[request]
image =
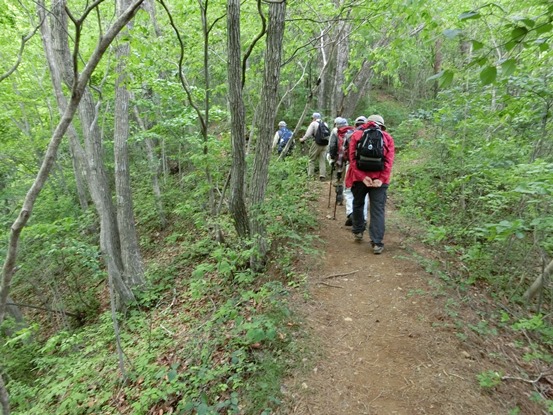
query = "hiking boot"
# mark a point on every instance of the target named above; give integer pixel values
(349, 222)
(377, 249)
(357, 237)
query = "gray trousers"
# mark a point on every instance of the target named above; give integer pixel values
(377, 210)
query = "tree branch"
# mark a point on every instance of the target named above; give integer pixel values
(24, 40)
(183, 81)
(257, 38)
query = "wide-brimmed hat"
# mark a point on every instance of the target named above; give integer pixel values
(282, 124)
(377, 119)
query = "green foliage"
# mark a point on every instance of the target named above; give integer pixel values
(489, 379)
(208, 335)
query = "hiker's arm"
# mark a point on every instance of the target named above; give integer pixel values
(310, 132)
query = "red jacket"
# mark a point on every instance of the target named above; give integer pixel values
(356, 175)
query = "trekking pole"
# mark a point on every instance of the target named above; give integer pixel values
(330, 185)
(339, 197)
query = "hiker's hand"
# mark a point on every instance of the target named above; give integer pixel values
(302, 139)
(377, 183)
(367, 181)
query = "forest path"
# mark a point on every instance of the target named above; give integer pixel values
(383, 342)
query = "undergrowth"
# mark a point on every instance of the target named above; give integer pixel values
(207, 335)
(485, 209)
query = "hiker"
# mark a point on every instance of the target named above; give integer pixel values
(282, 136)
(371, 154)
(348, 196)
(318, 131)
(335, 155)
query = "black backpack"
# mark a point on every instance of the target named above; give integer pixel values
(322, 134)
(369, 153)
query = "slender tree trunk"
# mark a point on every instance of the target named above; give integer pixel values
(437, 64)
(269, 102)
(98, 181)
(77, 89)
(154, 164)
(4, 397)
(78, 157)
(130, 250)
(237, 119)
(342, 58)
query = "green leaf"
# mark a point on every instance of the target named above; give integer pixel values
(526, 20)
(444, 77)
(447, 79)
(508, 67)
(518, 33)
(171, 375)
(476, 45)
(452, 33)
(488, 75)
(469, 15)
(510, 45)
(544, 28)
(437, 76)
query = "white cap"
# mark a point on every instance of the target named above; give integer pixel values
(340, 122)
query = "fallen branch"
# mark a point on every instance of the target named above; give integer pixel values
(329, 285)
(340, 275)
(527, 380)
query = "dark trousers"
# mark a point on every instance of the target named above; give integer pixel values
(377, 210)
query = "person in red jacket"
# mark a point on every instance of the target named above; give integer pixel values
(373, 183)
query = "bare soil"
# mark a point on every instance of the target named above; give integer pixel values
(383, 342)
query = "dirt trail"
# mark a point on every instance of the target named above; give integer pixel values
(383, 345)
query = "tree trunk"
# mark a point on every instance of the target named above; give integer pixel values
(78, 87)
(538, 283)
(267, 113)
(437, 64)
(4, 397)
(237, 120)
(98, 182)
(130, 250)
(155, 168)
(78, 157)
(342, 58)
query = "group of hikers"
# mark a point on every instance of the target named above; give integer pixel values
(362, 155)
